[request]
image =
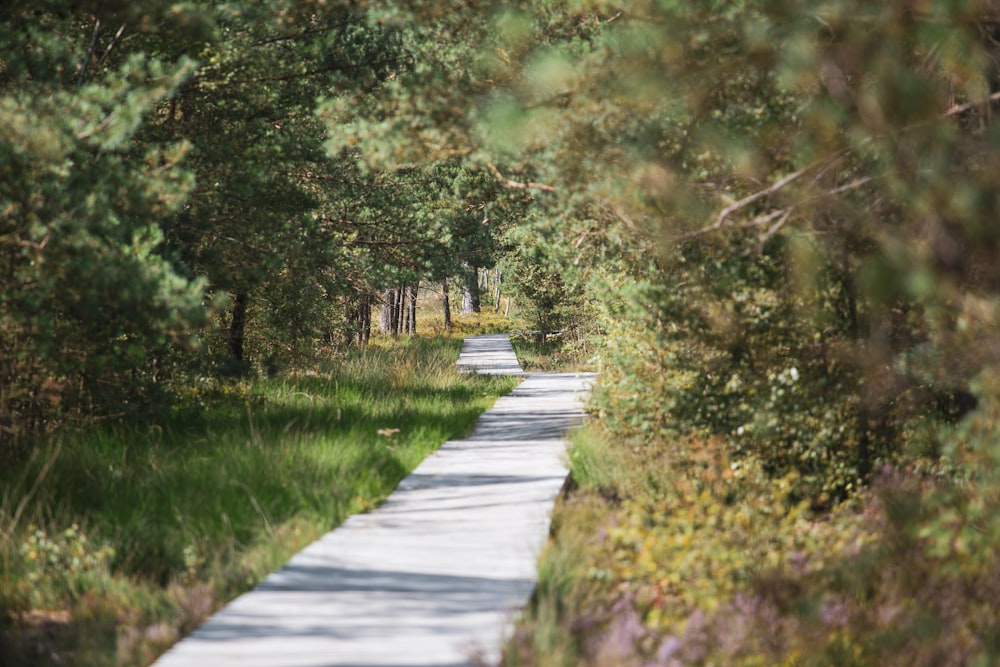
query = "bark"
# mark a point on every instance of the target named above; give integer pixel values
(470, 294)
(397, 311)
(359, 321)
(851, 295)
(388, 306)
(237, 327)
(496, 291)
(365, 320)
(446, 305)
(411, 312)
(404, 310)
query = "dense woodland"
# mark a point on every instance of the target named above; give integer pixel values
(773, 225)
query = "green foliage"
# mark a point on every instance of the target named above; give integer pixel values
(546, 295)
(732, 350)
(273, 221)
(89, 305)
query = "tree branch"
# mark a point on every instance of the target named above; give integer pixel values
(322, 70)
(750, 199)
(81, 75)
(529, 185)
(114, 42)
(307, 33)
(782, 214)
(773, 229)
(959, 109)
(853, 185)
(104, 124)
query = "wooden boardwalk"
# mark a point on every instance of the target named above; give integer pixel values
(433, 575)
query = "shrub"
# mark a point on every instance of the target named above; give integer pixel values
(906, 573)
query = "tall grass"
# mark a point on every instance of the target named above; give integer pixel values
(169, 520)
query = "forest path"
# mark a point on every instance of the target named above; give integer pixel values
(432, 576)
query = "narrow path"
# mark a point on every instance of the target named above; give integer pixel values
(434, 574)
(491, 355)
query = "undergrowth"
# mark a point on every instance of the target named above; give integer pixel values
(116, 541)
(671, 552)
(570, 351)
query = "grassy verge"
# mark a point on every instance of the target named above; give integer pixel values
(115, 542)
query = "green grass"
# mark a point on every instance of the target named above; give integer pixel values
(174, 518)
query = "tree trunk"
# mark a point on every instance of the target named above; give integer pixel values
(446, 305)
(411, 313)
(404, 310)
(238, 325)
(365, 332)
(467, 300)
(470, 294)
(496, 291)
(851, 294)
(350, 325)
(388, 307)
(359, 321)
(397, 311)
